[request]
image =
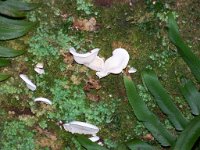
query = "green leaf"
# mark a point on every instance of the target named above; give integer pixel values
(19, 5)
(192, 60)
(4, 62)
(137, 145)
(3, 76)
(192, 96)
(122, 146)
(189, 136)
(144, 115)
(9, 52)
(10, 11)
(10, 29)
(164, 101)
(89, 145)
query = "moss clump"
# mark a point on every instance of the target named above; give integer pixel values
(16, 136)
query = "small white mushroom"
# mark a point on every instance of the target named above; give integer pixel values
(100, 143)
(39, 71)
(39, 65)
(132, 70)
(28, 82)
(86, 58)
(39, 68)
(81, 128)
(97, 64)
(115, 64)
(94, 138)
(41, 99)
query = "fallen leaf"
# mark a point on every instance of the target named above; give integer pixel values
(93, 97)
(68, 58)
(75, 80)
(92, 84)
(85, 24)
(48, 139)
(148, 137)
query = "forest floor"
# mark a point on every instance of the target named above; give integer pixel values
(75, 91)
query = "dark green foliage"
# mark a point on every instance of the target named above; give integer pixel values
(19, 5)
(8, 52)
(191, 130)
(137, 145)
(4, 62)
(163, 99)
(189, 136)
(16, 136)
(13, 8)
(89, 145)
(11, 28)
(192, 60)
(143, 114)
(190, 133)
(192, 96)
(4, 76)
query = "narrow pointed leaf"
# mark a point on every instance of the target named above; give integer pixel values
(10, 29)
(192, 96)
(19, 5)
(164, 101)
(137, 144)
(9, 52)
(188, 56)
(122, 146)
(144, 115)
(189, 136)
(4, 62)
(3, 76)
(10, 11)
(89, 145)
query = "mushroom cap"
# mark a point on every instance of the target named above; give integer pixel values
(97, 64)
(86, 58)
(28, 82)
(123, 54)
(44, 100)
(81, 128)
(115, 64)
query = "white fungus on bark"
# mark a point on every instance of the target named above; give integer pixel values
(42, 99)
(28, 82)
(115, 64)
(81, 128)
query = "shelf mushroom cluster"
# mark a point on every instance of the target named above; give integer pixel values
(114, 64)
(74, 126)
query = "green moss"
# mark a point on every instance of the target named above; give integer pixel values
(69, 102)
(102, 112)
(15, 135)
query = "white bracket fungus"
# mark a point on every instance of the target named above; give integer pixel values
(132, 70)
(115, 64)
(94, 138)
(81, 128)
(39, 68)
(44, 100)
(28, 82)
